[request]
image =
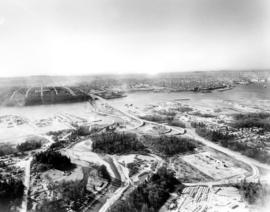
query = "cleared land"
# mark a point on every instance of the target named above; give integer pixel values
(213, 167)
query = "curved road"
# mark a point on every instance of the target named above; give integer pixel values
(254, 164)
(193, 134)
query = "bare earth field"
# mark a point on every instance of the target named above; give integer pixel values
(214, 167)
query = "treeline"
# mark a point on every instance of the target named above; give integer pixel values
(103, 172)
(258, 153)
(11, 193)
(10, 187)
(74, 192)
(171, 145)
(73, 136)
(249, 120)
(157, 118)
(73, 195)
(203, 115)
(117, 143)
(169, 119)
(215, 135)
(31, 144)
(150, 195)
(167, 112)
(54, 159)
(227, 140)
(260, 115)
(177, 123)
(7, 149)
(254, 193)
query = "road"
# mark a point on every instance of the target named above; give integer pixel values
(254, 164)
(27, 175)
(141, 122)
(191, 132)
(115, 169)
(236, 155)
(118, 193)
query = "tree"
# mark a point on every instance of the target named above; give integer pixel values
(102, 170)
(54, 159)
(150, 195)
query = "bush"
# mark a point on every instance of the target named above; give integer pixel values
(133, 168)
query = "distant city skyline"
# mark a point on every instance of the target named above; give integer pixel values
(84, 37)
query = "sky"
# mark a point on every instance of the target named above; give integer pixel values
(77, 37)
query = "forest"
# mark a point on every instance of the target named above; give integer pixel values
(214, 135)
(10, 187)
(30, 144)
(11, 192)
(117, 143)
(170, 145)
(150, 195)
(7, 149)
(249, 120)
(54, 159)
(254, 193)
(73, 193)
(227, 140)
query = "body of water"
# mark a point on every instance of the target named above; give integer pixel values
(249, 95)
